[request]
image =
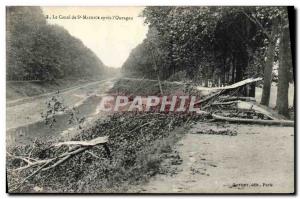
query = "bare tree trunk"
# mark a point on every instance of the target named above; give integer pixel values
(284, 72)
(233, 71)
(157, 73)
(159, 84)
(265, 98)
(254, 121)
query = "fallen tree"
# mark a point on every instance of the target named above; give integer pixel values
(50, 163)
(215, 93)
(224, 101)
(233, 86)
(232, 98)
(252, 121)
(138, 142)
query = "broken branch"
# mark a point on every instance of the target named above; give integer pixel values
(253, 121)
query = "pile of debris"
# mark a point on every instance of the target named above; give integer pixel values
(123, 149)
(225, 104)
(222, 103)
(214, 129)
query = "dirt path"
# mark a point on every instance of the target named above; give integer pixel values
(257, 159)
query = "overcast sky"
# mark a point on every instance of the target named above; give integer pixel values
(111, 39)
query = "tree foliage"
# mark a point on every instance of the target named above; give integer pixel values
(218, 43)
(40, 51)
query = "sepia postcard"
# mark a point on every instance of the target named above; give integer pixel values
(153, 99)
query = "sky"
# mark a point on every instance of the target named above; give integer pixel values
(111, 39)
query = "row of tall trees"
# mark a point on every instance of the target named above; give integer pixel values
(224, 44)
(211, 42)
(278, 51)
(40, 51)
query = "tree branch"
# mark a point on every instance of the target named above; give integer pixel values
(254, 20)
